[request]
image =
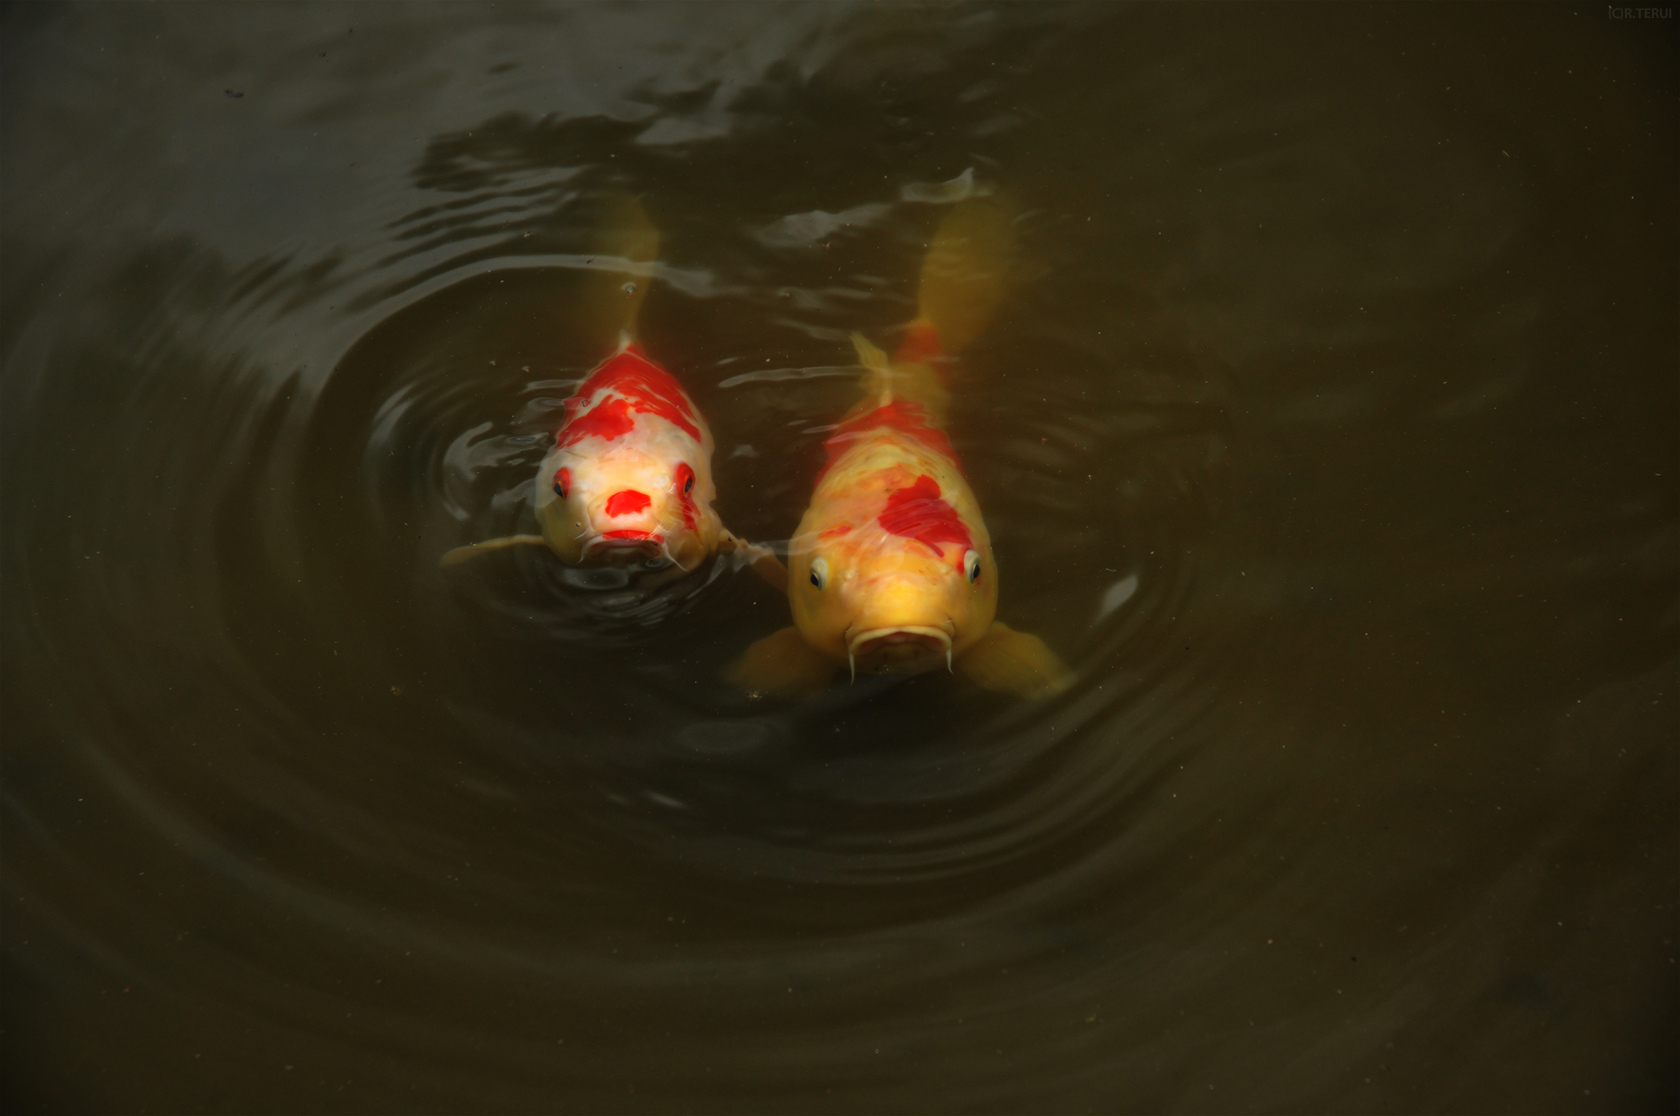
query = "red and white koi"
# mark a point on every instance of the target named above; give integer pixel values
(629, 477)
(891, 567)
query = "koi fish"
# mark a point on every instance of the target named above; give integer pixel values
(629, 477)
(891, 568)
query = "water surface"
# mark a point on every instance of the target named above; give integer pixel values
(1328, 431)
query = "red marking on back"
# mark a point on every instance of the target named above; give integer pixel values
(649, 388)
(919, 512)
(646, 388)
(835, 532)
(921, 346)
(900, 415)
(607, 420)
(627, 502)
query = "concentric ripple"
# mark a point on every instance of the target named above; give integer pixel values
(1374, 682)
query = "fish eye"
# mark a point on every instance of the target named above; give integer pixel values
(819, 572)
(685, 478)
(563, 483)
(971, 565)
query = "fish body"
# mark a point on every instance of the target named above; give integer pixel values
(629, 478)
(891, 568)
(893, 532)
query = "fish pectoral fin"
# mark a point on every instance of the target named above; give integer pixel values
(1014, 663)
(781, 665)
(761, 558)
(462, 553)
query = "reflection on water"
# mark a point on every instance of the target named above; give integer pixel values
(1328, 432)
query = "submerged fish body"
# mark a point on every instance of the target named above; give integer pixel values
(629, 478)
(892, 553)
(891, 569)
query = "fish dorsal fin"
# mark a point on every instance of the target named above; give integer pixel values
(622, 251)
(868, 355)
(879, 383)
(964, 273)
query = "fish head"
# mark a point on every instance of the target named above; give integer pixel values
(886, 602)
(627, 505)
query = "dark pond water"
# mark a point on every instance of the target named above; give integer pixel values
(1329, 431)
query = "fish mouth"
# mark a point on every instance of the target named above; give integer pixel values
(903, 648)
(624, 548)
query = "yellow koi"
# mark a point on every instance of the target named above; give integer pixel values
(891, 567)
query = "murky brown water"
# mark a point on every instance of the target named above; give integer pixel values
(1330, 432)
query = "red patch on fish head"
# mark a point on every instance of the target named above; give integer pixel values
(919, 512)
(639, 386)
(563, 482)
(627, 502)
(609, 419)
(648, 388)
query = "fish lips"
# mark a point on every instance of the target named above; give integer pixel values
(899, 649)
(624, 548)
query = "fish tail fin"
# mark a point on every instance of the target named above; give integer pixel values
(621, 252)
(963, 279)
(961, 284)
